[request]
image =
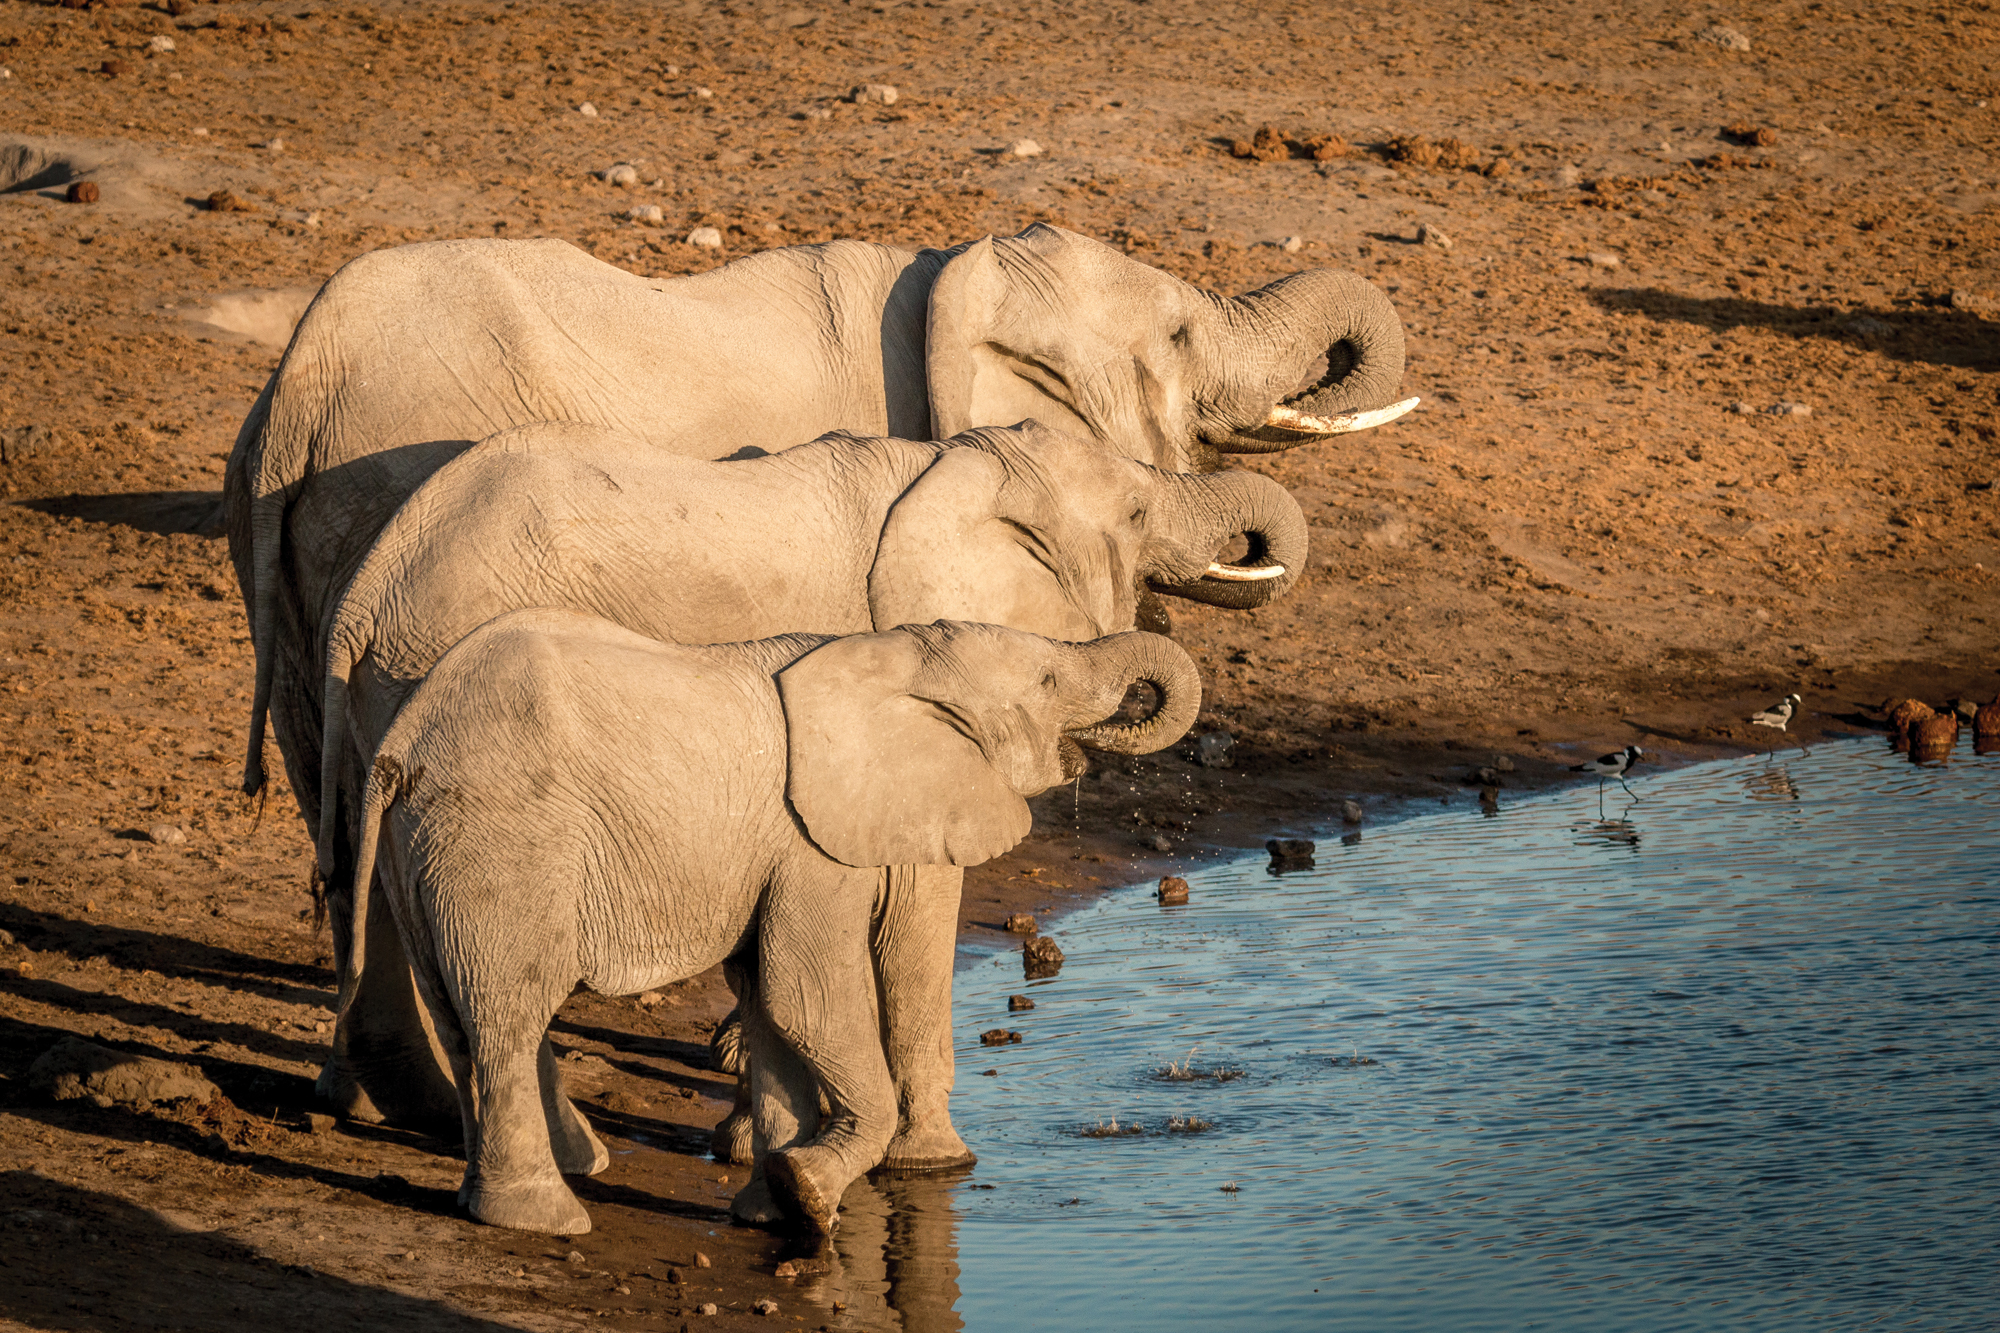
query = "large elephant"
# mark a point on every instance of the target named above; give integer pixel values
(409, 354)
(1021, 526)
(564, 802)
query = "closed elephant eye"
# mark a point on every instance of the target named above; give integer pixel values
(1138, 516)
(1049, 681)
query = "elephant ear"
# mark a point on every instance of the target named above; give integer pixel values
(881, 775)
(1058, 327)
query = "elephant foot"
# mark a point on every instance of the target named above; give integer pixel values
(579, 1152)
(411, 1094)
(753, 1205)
(927, 1148)
(543, 1204)
(730, 1141)
(348, 1099)
(806, 1201)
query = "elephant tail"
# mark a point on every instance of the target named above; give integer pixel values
(386, 781)
(340, 659)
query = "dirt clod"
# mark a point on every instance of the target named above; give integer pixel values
(1021, 923)
(1173, 889)
(81, 192)
(1019, 1003)
(999, 1037)
(225, 201)
(1041, 957)
(74, 1068)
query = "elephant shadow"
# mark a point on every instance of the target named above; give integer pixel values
(1937, 336)
(162, 513)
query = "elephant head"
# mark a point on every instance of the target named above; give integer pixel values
(1052, 533)
(1055, 326)
(920, 745)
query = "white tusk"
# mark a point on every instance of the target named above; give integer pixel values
(1242, 573)
(1287, 418)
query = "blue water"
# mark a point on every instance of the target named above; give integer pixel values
(1726, 1057)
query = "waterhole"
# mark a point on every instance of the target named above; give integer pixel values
(1721, 1057)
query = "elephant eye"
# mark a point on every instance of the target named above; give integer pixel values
(1138, 516)
(1049, 681)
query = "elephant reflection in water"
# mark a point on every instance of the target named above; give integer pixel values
(894, 1261)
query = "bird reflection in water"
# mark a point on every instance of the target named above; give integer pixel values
(1771, 784)
(893, 1262)
(1618, 832)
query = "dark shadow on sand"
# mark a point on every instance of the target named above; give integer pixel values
(1938, 336)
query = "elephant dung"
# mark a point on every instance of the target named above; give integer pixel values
(1019, 1004)
(999, 1037)
(1040, 957)
(74, 1068)
(1173, 889)
(1021, 923)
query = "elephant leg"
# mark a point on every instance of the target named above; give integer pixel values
(784, 1108)
(578, 1150)
(384, 1064)
(916, 935)
(732, 1140)
(814, 963)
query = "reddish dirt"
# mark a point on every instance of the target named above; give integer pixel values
(1574, 545)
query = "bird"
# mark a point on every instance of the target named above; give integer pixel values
(1614, 765)
(1778, 714)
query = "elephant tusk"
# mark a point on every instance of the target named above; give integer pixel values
(1242, 573)
(1290, 418)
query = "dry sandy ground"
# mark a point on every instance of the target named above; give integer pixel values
(1574, 545)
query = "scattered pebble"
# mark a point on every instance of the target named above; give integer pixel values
(81, 192)
(1427, 234)
(1041, 957)
(167, 835)
(1018, 1004)
(319, 1122)
(649, 214)
(873, 94)
(705, 238)
(1503, 763)
(999, 1037)
(1173, 889)
(1604, 259)
(199, 132)
(1350, 812)
(703, 94)
(1740, 409)
(1750, 136)
(115, 68)
(706, 1307)
(1725, 37)
(651, 999)
(222, 201)
(1483, 777)
(1024, 148)
(576, 1257)
(1211, 749)
(271, 145)
(161, 44)
(1290, 849)
(1569, 174)
(587, 109)
(1291, 245)
(1791, 410)
(1021, 923)
(786, 1269)
(765, 1306)
(701, 1260)
(1158, 842)
(623, 174)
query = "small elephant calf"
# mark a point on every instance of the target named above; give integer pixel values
(565, 801)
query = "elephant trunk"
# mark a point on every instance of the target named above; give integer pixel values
(1317, 354)
(1121, 661)
(1210, 510)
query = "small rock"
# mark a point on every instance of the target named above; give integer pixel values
(222, 201)
(999, 1037)
(587, 109)
(765, 1306)
(271, 145)
(1211, 749)
(675, 1276)
(1791, 410)
(873, 94)
(1740, 409)
(1569, 174)
(651, 999)
(623, 174)
(701, 1260)
(166, 835)
(161, 44)
(74, 1068)
(7, 942)
(1024, 148)
(1021, 923)
(1173, 889)
(1158, 842)
(179, 7)
(1290, 849)
(1725, 37)
(1750, 136)
(703, 94)
(1040, 957)
(576, 1257)
(1017, 1004)
(1604, 259)
(648, 215)
(1291, 245)
(706, 1307)
(622, 1290)
(1483, 777)
(1503, 763)
(1350, 812)
(1961, 299)
(319, 1123)
(115, 68)
(81, 192)
(706, 238)
(1433, 236)
(18, 442)
(786, 1269)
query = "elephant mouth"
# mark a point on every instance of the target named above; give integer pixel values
(1075, 763)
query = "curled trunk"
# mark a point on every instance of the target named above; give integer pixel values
(1211, 510)
(1122, 661)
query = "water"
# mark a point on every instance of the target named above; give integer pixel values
(1728, 1057)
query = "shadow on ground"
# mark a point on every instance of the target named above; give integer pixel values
(160, 512)
(1939, 336)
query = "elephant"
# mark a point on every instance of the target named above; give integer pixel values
(1021, 526)
(408, 354)
(564, 803)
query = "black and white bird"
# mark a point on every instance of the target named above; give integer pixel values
(1778, 714)
(1614, 765)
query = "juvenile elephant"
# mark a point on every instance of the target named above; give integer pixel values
(564, 802)
(1022, 526)
(409, 354)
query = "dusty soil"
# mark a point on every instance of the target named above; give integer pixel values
(1574, 545)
